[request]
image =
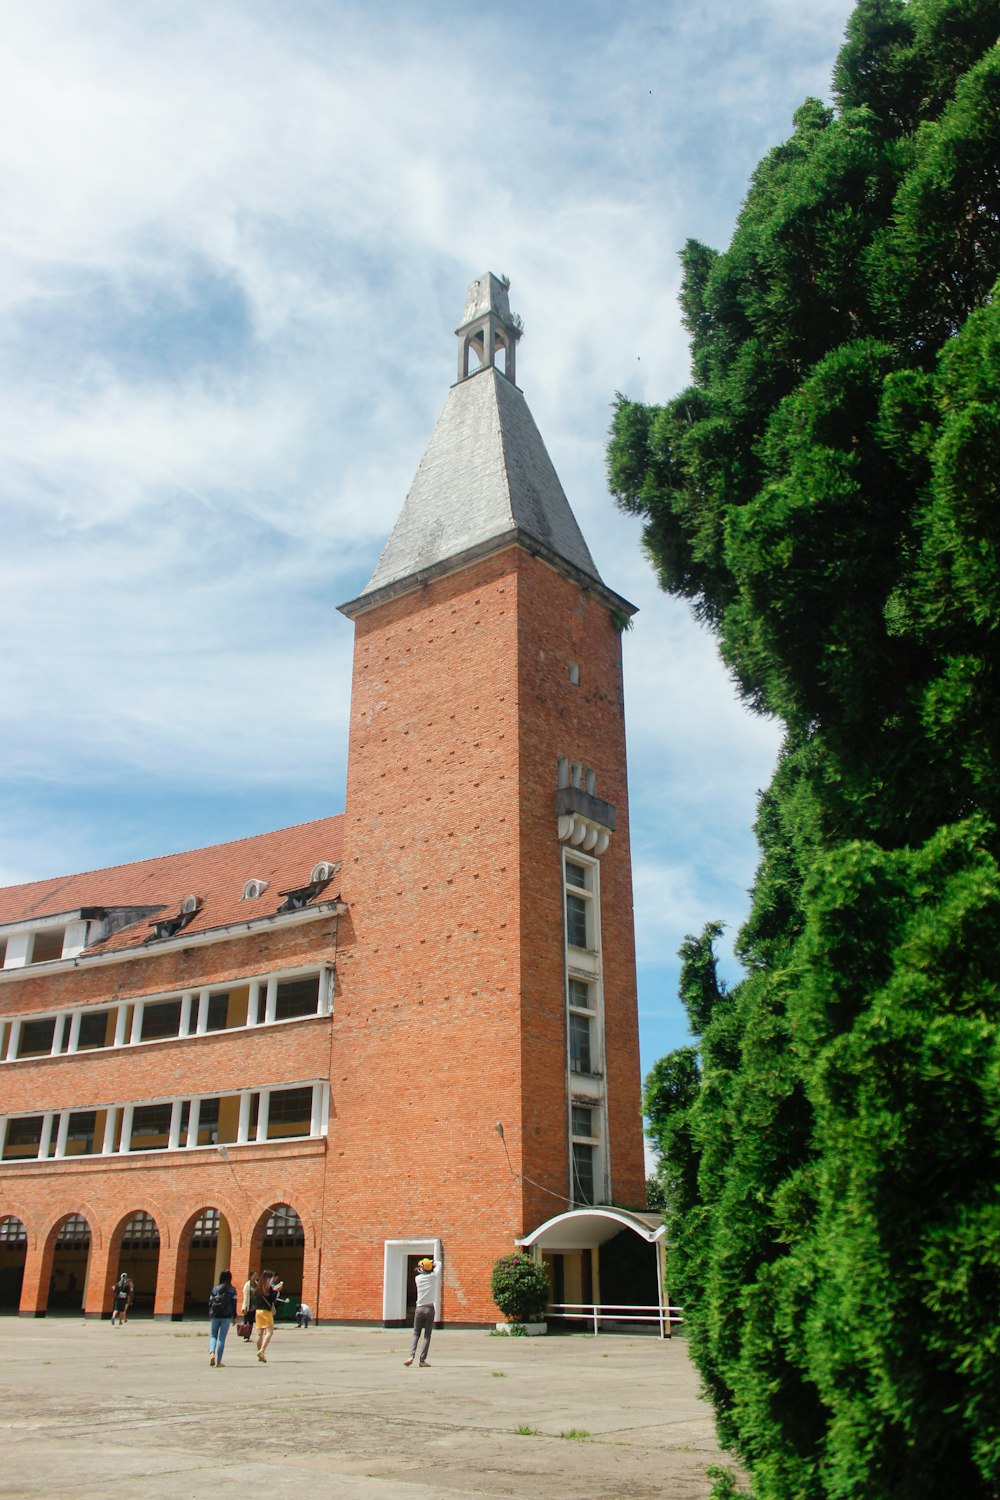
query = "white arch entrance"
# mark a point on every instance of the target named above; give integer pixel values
(575, 1238)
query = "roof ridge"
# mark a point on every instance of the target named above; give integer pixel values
(153, 859)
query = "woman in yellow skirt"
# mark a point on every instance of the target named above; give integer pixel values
(264, 1299)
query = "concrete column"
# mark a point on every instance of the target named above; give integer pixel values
(74, 939)
(126, 1141)
(62, 1134)
(243, 1127)
(186, 1000)
(58, 1034)
(263, 1107)
(202, 1012)
(223, 1248)
(258, 990)
(3, 1134)
(194, 1120)
(19, 950)
(136, 1031)
(14, 1040)
(272, 1001)
(110, 1121)
(74, 1031)
(48, 1119)
(316, 1117)
(120, 1024)
(174, 1139)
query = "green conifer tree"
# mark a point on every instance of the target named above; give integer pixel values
(827, 495)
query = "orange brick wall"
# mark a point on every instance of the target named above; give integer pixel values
(451, 1013)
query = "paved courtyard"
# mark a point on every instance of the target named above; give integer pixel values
(91, 1411)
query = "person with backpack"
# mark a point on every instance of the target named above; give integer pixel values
(122, 1293)
(222, 1313)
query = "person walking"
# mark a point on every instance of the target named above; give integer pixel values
(264, 1300)
(121, 1299)
(246, 1305)
(222, 1313)
(423, 1319)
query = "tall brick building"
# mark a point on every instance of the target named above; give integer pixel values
(297, 1048)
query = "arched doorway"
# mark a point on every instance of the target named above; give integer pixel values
(13, 1250)
(210, 1237)
(282, 1251)
(70, 1266)
(606, 1268)
(139, 1255)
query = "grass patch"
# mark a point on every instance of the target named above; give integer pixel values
(523, 1430)
(499, 1374)
(577, 1435)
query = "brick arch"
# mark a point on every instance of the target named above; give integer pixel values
(155, 1211)
(18, 1211)
(258, 1215)
(256, 1238)
(182, 1242)
(86, 1211)
(115, 1244)
(50, 1234)
(213, 1200)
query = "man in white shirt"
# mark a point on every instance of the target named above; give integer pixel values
(423, 1318)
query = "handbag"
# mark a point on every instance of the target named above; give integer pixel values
(244, 1330)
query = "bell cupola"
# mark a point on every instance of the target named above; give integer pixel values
(488, 328)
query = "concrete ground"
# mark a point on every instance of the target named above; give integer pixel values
(94, 1412)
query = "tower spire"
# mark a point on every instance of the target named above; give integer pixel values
(486, 481)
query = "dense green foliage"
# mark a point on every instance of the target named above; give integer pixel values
(520, 1288)
(827, 495)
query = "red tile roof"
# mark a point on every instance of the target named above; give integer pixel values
(217, 875)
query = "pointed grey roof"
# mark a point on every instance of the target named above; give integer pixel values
(485, 480)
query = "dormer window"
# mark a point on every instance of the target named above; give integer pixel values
(168, 927)
(320, 875)
(254, 888)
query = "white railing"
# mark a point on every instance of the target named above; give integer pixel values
(618, 1312)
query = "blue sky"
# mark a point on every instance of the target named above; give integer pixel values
(236, 240)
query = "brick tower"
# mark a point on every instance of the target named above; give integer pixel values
(486, 971)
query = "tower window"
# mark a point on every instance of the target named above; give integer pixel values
(580, 1053)
(583, 1173)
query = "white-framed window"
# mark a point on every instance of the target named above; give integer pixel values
(580, 882)
(259, 1000)
(585, 1144)
(253, 1116)
(584, 1024)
